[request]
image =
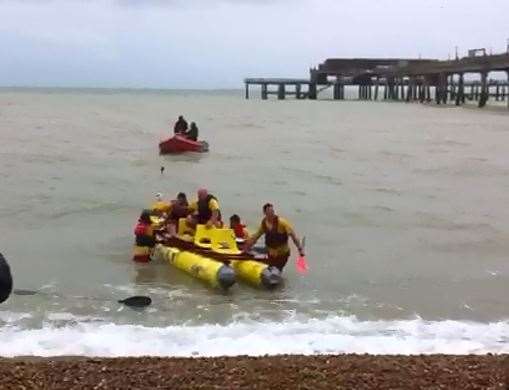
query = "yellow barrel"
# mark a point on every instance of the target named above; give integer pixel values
(256, 273)
(211, 271)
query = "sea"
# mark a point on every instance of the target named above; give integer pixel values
(404, 206)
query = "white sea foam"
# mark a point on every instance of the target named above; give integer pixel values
(333, 335)
(12, 317)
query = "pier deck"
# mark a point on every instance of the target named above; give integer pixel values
(404, 79)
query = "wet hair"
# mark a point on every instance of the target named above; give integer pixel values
(266, 206)
(145, 216)
(235, 218)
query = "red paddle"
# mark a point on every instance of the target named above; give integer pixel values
(301, 264)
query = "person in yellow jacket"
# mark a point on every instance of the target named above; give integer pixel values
(205, 210)
(276, 230)
(145, 238)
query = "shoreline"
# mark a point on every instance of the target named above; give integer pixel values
(267, 372)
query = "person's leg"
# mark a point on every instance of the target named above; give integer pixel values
(279, 261)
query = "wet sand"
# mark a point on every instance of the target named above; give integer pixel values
(274, 372)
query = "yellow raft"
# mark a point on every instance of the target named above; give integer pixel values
(204, 256)
(211, 271)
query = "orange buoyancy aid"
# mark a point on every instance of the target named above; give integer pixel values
(144, 234)
(239, 230)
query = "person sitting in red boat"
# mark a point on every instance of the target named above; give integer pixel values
(180, 126)
(192, 134)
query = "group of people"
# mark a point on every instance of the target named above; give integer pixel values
(206, 210)
(181, 128)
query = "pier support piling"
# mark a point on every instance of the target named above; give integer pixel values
(337, 91)
(281, 93)
(264, 91)
(507, 89)
(484, 89)
(460, 95)
(444, 88)
(312, 91)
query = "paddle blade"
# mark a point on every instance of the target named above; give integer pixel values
(301, 265)
(136, 301)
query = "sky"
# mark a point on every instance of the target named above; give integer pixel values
(217, 43)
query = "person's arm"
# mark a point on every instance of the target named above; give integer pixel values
(297, 242)
(252, 240)
(214, 218)
(289, 230)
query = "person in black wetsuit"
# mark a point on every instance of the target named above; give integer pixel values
(180, 126)
(192, 134)
(5, 279)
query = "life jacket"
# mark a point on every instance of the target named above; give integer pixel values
(274, 239)
(144, 234)
(204, 212)
(239, 230)
(178, 211)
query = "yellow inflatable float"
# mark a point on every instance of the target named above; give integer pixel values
(211, 271)
(220, 245)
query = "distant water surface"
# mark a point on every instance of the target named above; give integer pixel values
(404, 209)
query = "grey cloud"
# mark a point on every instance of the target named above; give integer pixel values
(215, 43)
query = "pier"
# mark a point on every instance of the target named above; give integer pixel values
(398, 79)
(281, 86)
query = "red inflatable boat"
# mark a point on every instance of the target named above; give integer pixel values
(180, 144)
